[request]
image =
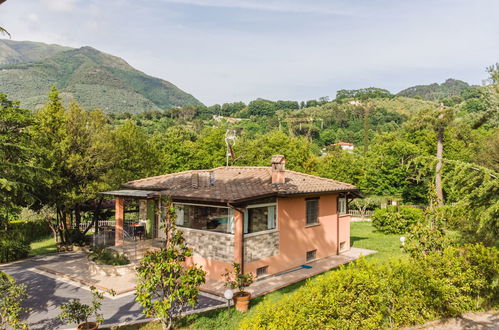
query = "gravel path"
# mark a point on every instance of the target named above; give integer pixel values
(47, 293)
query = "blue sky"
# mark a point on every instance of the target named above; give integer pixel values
(230, 50)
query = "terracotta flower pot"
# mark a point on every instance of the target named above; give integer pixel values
(88, 326)
(241, 301)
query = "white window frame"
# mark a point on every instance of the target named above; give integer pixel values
(254, 206)
(342, 205)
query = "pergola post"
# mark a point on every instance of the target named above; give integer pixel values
(239, 237)
(119, 217)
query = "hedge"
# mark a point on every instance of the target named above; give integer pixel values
(29, 230)
(13, 249)
(396, 220)
(399, 293)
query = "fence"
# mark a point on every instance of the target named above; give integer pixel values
(357, 213)
(84, 225)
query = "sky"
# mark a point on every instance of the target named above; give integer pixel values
(239, 50)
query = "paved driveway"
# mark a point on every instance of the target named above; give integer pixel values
(47, 292)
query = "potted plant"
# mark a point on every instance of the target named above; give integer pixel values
(77, 312)
(236, 279)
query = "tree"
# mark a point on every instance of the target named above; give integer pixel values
(76, 147)
(341, 165)
(493, 71)
(165, 284)
(437, 119)
(17, 174)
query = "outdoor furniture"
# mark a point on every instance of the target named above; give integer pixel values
(138, 230)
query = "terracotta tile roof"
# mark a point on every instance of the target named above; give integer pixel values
(233, 184)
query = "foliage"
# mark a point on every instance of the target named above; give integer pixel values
(474, 193)
(16, 172)
(12, 249)
(436, 92)
(106, 256)
(236, 279)
(12, 296)
(394, 294)
(77, 312)
(165, 284)
(363, 94)
(29, 231)
(341, 165)
(396, 219)
(424, 239)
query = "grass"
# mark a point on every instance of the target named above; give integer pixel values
(363, 235)
(44, 246)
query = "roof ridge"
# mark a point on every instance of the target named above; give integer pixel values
(320, 177)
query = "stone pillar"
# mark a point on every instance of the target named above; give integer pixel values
(119, 217)
(239, 237)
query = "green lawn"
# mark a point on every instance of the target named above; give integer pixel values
(362, 235)
(43, 246)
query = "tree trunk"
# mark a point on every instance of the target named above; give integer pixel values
(77, 216)
(438, 169)
(366, 128)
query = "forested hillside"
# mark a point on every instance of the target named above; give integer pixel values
(436, 92)
(26, 51)
(94, 80)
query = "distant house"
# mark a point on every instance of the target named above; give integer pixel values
(268, 219)
(345, 145)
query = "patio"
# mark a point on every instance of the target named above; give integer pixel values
(81, 270)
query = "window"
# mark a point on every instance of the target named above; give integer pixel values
(312, 211)
(342, 205)
(217, 219)
(262, 271)
(311, 255)
(260, 218)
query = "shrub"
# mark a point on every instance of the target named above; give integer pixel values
(396, 220)
(369, 295)
(12, 249)
(11, 297)
(29, 230)
(105, 256)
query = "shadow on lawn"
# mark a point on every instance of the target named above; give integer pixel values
(354, 239)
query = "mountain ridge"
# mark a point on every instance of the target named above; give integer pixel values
(92, 78)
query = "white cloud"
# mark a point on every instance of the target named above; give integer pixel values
(33, 18)
(60, 5)
(285, 6)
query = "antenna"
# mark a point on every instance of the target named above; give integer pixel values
(230, 141)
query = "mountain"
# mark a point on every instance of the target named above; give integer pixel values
(436, 92)
(26, 51)
(93, 79)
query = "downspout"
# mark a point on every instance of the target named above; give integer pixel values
(338, 224)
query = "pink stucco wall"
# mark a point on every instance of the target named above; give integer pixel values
(296, 238)
(213, 268)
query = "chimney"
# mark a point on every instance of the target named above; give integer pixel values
(278, 169)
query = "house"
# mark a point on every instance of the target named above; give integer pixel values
(268, 219)
(345, 146)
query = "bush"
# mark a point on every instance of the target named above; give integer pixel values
(12, 249)
(396, 220)
(104, 256)
(369, 295)
(29, 230)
